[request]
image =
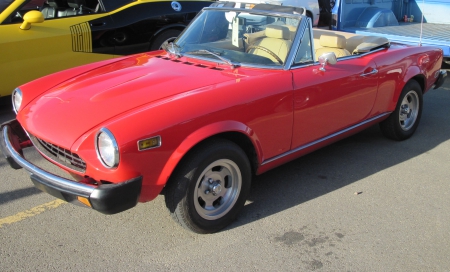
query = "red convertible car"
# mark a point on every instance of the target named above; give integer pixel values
(243, 89)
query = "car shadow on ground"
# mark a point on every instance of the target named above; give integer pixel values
(345, 162)
(17, 194)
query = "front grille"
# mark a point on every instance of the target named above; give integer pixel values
(59, 154)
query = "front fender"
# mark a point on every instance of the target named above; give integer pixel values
(202, 134)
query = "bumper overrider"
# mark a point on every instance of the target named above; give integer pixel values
(440, 79)
(105, 198)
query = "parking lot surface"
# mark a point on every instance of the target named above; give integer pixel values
(365, 203)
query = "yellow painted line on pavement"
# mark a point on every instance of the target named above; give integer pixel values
(31, 212)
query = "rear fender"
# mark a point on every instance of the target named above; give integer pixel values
(202, 134)
(410, 73)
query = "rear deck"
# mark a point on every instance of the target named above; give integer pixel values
(409, 33)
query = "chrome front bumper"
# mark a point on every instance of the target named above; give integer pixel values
(106, 198)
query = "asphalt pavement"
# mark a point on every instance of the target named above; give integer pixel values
(365, 203)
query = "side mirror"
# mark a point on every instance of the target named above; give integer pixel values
(31, 17)
(327, 58)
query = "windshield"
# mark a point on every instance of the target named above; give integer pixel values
(239, 37)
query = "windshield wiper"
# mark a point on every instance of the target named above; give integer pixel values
(227, 61)
(173, 50)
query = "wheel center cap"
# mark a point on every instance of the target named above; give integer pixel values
(216, 189)
(405, 109)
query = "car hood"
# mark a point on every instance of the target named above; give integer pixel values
(77, 105)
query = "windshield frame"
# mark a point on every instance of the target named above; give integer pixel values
(10, 8)
(5, 4)
(292, 51)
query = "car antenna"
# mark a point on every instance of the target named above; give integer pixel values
(421, 23)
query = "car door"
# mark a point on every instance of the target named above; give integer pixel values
(327, 102)
(330, 100)
(47, 47)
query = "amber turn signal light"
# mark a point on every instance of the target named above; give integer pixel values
(85, 201)
(149, 143)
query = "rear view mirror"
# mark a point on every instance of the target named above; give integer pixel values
(327, 58)
(30, 17)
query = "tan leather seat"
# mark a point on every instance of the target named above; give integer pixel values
(277, 39)
(54, 9)
(332, 43)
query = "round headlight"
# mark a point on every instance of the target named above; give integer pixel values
(107, 148)
(16, 99)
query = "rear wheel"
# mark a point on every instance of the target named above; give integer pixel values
(403, 122)
(209, 187)
(166, 36)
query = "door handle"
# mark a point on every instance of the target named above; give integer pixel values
(374, 71)
(98, 24)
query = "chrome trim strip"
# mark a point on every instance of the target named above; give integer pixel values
(61, 184)
(242, 64)
(303, 65)
(14, 93)
(258, 12)
(339, 59)
(324, 139)
(301, 28)
(311, 38)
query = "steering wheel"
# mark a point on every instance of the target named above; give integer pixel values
(265, 50)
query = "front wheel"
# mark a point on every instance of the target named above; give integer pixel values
(209, 187)
(403, 122)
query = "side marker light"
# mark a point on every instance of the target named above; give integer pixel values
(85, 201)
(149, 143)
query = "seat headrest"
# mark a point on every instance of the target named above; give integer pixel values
(76, 3)
(56, 3)
(335, 41)
(370, 43)
(278, 32)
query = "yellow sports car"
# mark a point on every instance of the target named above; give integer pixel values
(39, 37)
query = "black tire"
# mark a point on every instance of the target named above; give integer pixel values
(5, 101)
(310, 16)
(209, 187)
(165, 36)
(403, 122)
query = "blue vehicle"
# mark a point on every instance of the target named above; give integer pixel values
(425, 22)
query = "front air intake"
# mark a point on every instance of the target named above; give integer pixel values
(59, 154)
